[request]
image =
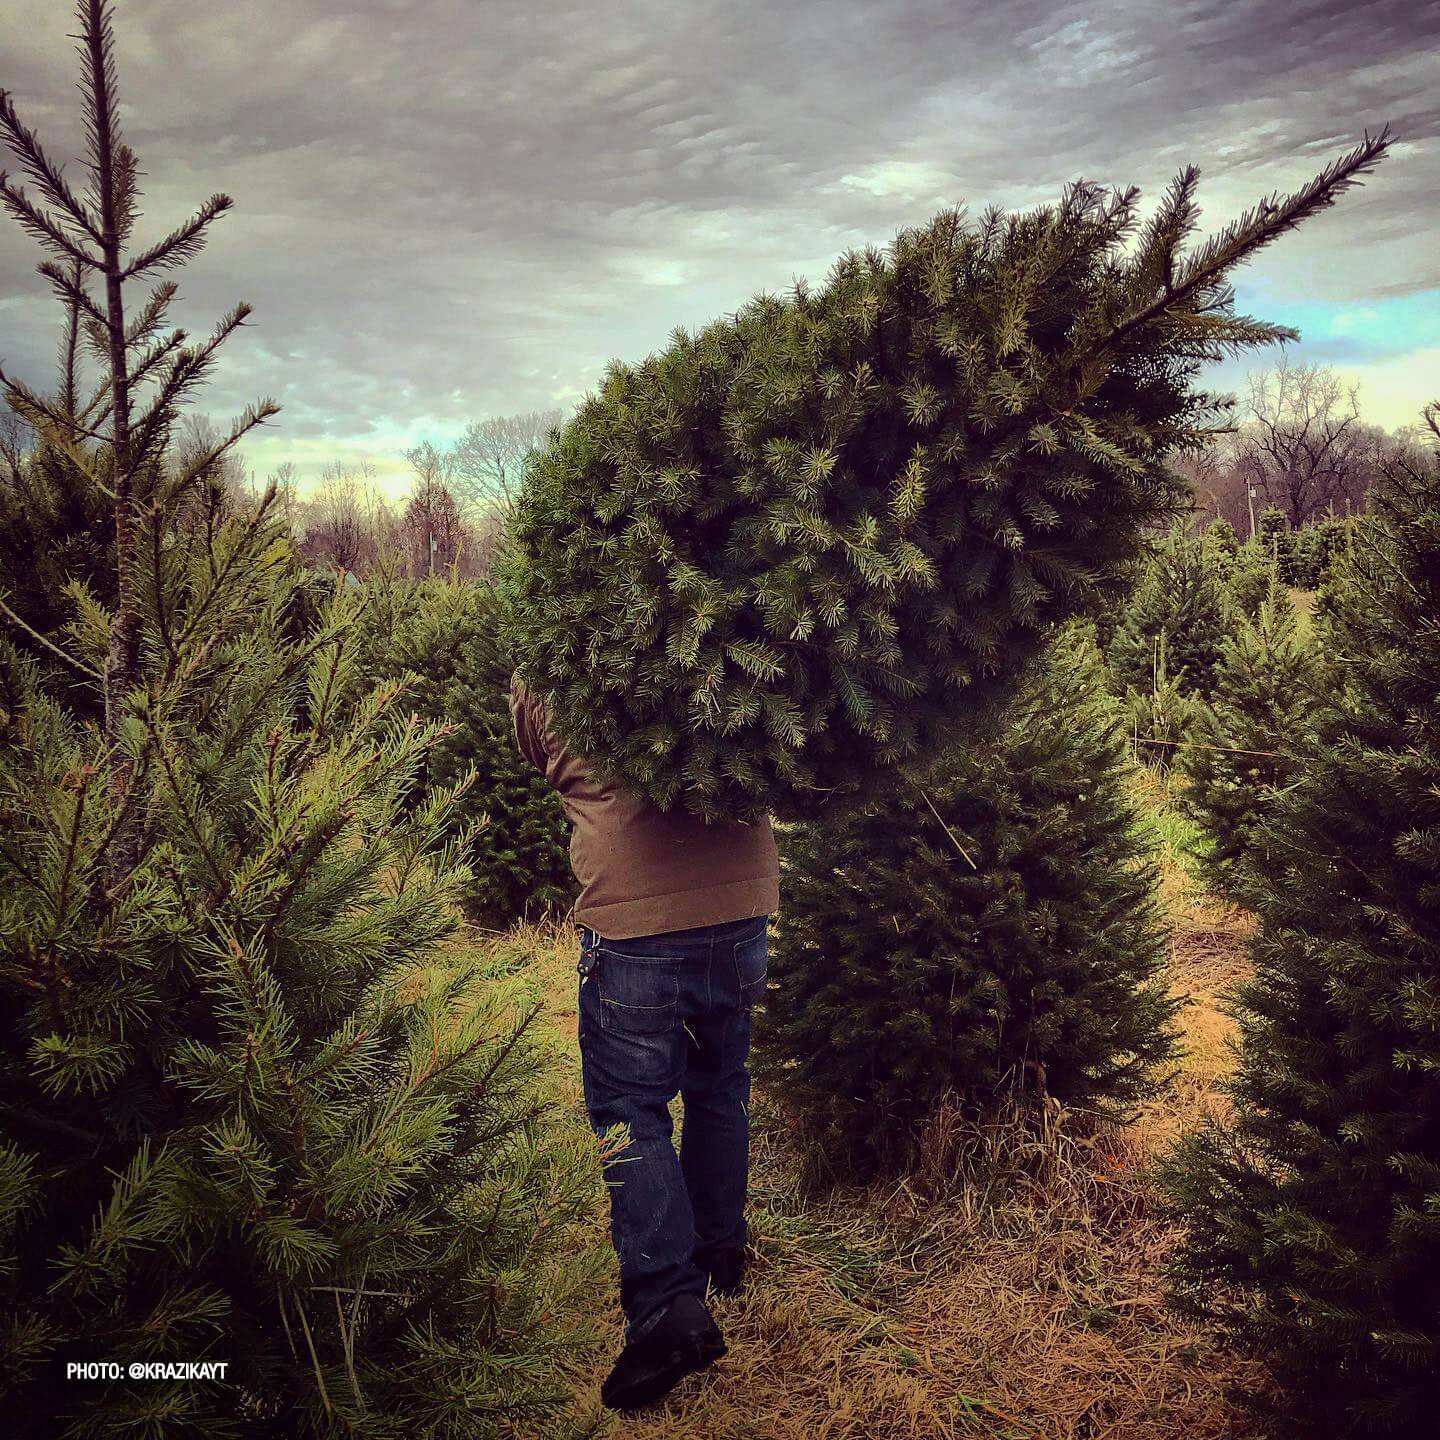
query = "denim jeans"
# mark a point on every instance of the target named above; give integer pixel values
(659, 1015)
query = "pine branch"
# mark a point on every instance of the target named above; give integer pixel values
(189, 368)
(70, 291)
(33, 160)
(1196, 745)
(315, 1359)
(296, 658)
(125, 193)
(230, 572)
(144, 323)
(133, 787)
(50, 961)
(249, 420)
(217, 871)
(68, 397)
(89, 672)
(41, 226)
(1256, 228)
(141, 373)
(948, 830)
(53, 424)
(182, 244)
(315, 846)
(98, 60)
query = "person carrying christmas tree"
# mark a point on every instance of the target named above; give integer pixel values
(674, 921)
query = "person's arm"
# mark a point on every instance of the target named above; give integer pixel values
(522, 716)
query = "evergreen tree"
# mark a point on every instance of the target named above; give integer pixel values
(57, 528)
(765, 569)
(1278, 538)
(247, 1111)
(1316, 546)
(1313, 1218)
(1180, 597)
(1240, 750)
(1255, 571)
(1002, 934)
(1159, 720)
(443, 634)
(1222, 545)
(1106, 612)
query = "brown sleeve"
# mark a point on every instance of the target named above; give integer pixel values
(522, 716)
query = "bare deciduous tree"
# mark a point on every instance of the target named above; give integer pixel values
(287, 492)
(433, 533)
(343, 524)
(490, 457)
(1305, 448)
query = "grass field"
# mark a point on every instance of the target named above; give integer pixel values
(1010, 1290)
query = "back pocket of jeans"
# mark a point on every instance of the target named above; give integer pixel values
(752, 965)
(639, 994)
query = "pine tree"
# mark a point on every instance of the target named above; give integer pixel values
(1240, 750)
(1180, 596)
(1313, 1219)
(248, 1112)
(1256, 569)
(1223, 545)
(1107, 612)
(443, 635)
(57, 531)
(1278, 538)
(765, 569)
(1316, 546)
(1002, 935)
(1159, 720)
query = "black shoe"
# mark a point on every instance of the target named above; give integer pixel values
(684, 1340)
(726, 1269)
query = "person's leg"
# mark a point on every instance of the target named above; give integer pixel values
(715, 1138)
(635, 996)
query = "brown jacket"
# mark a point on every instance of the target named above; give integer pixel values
(643, 871)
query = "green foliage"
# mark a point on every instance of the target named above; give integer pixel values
(770, 566)
(1313, 1219)
(1159, 720)
(1275, 535)
(1181, 598)
(1316, 547)
(443, 634)
(249, 1110)
(1241, 748)
(1000, 931)
(57, 533)
(1255, 571)
(1222, 545)
(242, 1090)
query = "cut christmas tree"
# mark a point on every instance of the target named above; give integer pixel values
(815, 542)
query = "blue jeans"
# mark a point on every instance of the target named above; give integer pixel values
(659, 1015)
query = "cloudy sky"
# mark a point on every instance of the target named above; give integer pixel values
(458, 209)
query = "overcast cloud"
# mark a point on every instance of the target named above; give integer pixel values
(448, 211)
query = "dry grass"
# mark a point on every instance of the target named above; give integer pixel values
(1010, 1289)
